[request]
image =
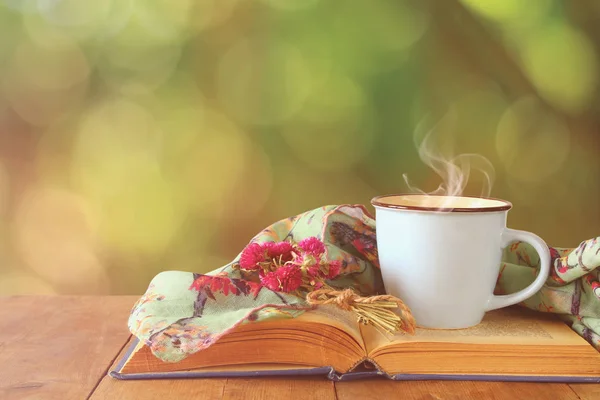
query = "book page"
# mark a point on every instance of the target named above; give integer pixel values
(513, 325)
(332, 315)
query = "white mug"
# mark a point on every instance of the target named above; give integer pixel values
(442, 254)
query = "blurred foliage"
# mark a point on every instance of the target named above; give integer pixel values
(140, 136)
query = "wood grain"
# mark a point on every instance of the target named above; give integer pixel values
(205, 389)
(448, 390)
(58, 347)
(587, 391)
(111, 388)
(213, 389)
(287, 389)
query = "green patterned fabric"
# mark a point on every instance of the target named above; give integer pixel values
(182, 312)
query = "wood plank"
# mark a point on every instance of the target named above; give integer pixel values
(212, 389)
(59, 347)
(160, 389)
(280, 388)
(209, 389)
(438, 390)
(111, 388)
(587, 391)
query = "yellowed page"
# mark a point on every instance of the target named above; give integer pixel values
(331, 315)
(513, 325)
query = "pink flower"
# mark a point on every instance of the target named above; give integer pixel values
(313, 271)
(312, 245)
(270, 281)
(334, 269)
(251, 256)
(290, 278)
(279, 249)
(309, 263)
(284, 267)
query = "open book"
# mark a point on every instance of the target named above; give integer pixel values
(511, 344)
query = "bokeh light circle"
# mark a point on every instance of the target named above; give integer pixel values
(263, 81)
(288, 5)
(335, 132)
(562, 64)
(531, 142)
(116, 167)
(393, 29)
(211, 13)
(74, 12)
(164, 19)
(44, 84)
(207, 171)
(135, 63)
(50, 68)
(513, 12)
(253, 187)
(54, 233)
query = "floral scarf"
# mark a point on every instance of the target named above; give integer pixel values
(182, 312)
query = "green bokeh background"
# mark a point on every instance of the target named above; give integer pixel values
(141, 136)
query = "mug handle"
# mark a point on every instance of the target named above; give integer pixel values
(512, 235)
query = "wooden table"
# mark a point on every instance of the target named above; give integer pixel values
(61, 347)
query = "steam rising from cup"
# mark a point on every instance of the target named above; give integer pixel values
(454, 170)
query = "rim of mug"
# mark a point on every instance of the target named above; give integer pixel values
(376, 202)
